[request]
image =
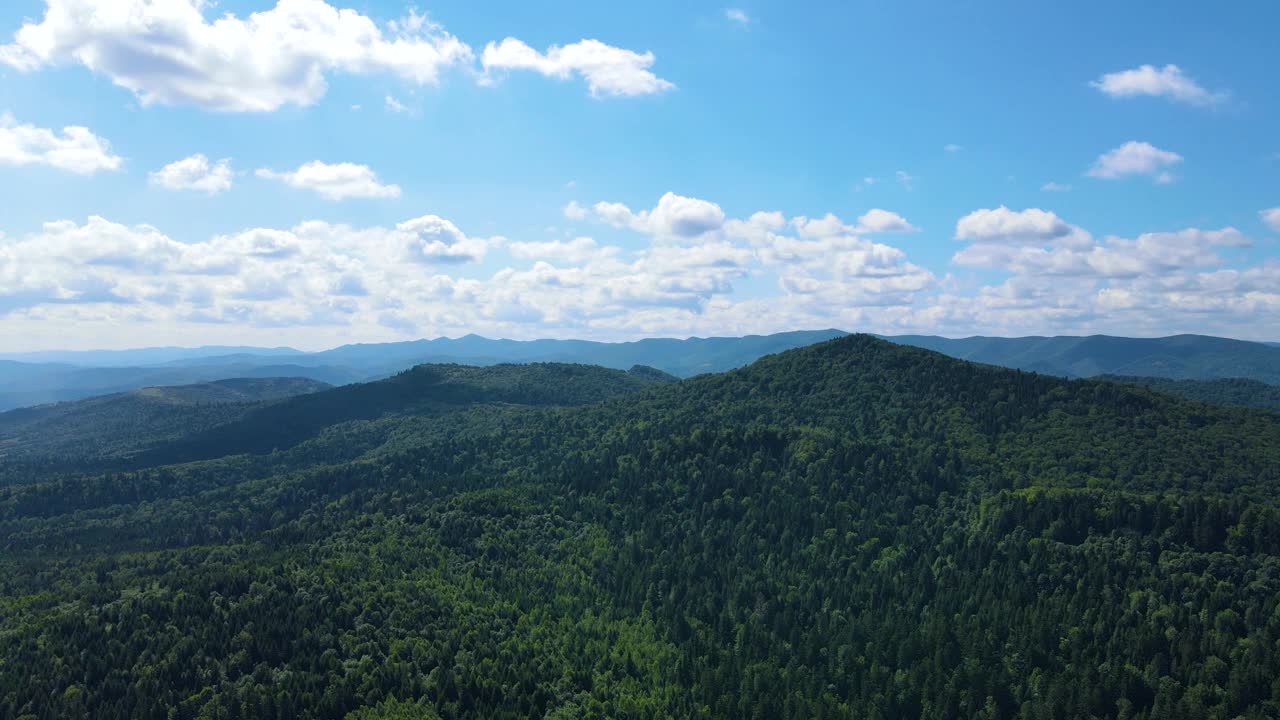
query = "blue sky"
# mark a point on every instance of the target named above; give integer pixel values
(615, 171)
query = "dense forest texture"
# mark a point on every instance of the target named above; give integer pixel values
(851, 530)
(120, 424)
(1240, 392)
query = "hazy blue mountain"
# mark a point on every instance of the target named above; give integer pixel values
(683, 358)
(1179, 357)
(26, 383)
(1183, 357)
(142, 356)
(23, 385)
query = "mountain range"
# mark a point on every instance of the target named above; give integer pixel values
(36, 378)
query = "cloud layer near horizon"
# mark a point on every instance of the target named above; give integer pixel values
(425, 276)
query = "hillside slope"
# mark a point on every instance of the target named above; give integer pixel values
(121, 423)
(422, 390)
(852, 530)
(1240, 392)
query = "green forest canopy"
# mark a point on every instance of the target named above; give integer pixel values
(854, 529)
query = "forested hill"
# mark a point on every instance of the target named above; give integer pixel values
(422, 390)
(121, 423)
(1242, 392)
(852, 530)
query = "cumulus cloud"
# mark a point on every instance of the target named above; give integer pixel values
(320, 283)
(313, 273)
(432, 239)
(1167, 82)
(195, 173)
(756, 228)
(737, 15)
(400, 279)
(674, 217)
(1271, 217)
(337, 181)
(574, 211)
(577, 250)
(75, 149)
(169, 53)
(1135, 158)
(876, 220)
(1033, 225)
(608, 70)
(1045, 253)
(824, 261)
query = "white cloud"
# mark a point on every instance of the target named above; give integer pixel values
(674, 217)
(876, 220)
(1055, 187)
(756, 228)
(574, 211)
(195, 173)
(1168, 82)
(1271, 217)
(608, 70)
(1135, 158)
(906, 179)
(737, 15)
(320, 283)
(75, 149)
(577, 250)
(1033, 225)
(315, 273)
(337, 181)
(394, 105)
(167, 52)
(1150, 254)
(432, 239)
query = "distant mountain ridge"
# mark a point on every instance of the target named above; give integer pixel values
(1181, 357)
(141, 356)
(27, 384)
(24, 383)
